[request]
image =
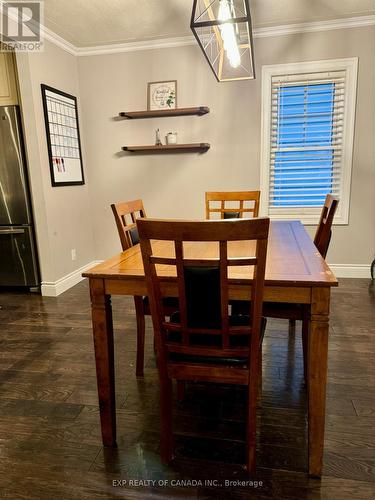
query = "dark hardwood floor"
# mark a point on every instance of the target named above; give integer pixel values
(50, 444)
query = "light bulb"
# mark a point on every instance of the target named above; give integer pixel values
(228, 35)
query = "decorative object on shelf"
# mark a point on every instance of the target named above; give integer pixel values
(162, 95)
(223, 31)
(171, 138)
(157, 138)
(200, 147)
(158, 113)
(63, 139)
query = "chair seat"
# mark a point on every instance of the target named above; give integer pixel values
(283, 311)
(270, 309)
(168, 303)
(231, 215)
(209, 340)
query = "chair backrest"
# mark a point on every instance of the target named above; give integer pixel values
(324, 231)
(232, 204)
(202, 325)
(126, 213)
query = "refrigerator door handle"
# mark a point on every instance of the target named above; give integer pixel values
(12, 231)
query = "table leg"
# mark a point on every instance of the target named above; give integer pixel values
(104, 358)
(317, 376)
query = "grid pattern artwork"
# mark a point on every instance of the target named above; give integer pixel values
(63, 137)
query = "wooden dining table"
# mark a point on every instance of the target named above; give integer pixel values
(295, 274)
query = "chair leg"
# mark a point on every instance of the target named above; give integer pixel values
(140, 315)
(166, 429)
(260, 375)
(292, 325)
(251, 430)
(305, 344)
(252, 394)
(180, 390)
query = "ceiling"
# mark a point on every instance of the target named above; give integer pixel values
(86, 23)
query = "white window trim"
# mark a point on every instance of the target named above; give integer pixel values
(310, 216)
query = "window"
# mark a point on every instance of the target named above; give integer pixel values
(307, 138)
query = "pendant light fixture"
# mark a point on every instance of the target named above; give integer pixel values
(223, 31)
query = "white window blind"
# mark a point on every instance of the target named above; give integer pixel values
(308, 149)
(306, 139)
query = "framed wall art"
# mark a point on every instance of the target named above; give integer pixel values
(63, 138)
(162, 95)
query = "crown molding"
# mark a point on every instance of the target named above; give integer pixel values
(160, 43)
(334, 24)
(163, 43)
(56, 39)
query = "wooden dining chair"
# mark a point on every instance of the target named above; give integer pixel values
(299, 312)
(232, 204)
(324, 230)
(201, 342)
(126, 214)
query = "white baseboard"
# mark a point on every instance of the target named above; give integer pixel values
(55, 288)
(351, 270)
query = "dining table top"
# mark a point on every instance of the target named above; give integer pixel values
(292, 259)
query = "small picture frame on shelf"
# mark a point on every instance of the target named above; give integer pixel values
(162, 95)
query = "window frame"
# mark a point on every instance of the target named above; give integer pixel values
(310, 215)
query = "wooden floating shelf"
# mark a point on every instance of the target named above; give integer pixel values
(158, 113)
(200, 147)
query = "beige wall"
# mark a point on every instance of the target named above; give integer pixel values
(62, 214)
(174, 186)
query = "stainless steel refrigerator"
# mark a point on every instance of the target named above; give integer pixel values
(18, 258)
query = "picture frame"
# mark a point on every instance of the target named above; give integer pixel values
(63, 137)
(162, 95)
